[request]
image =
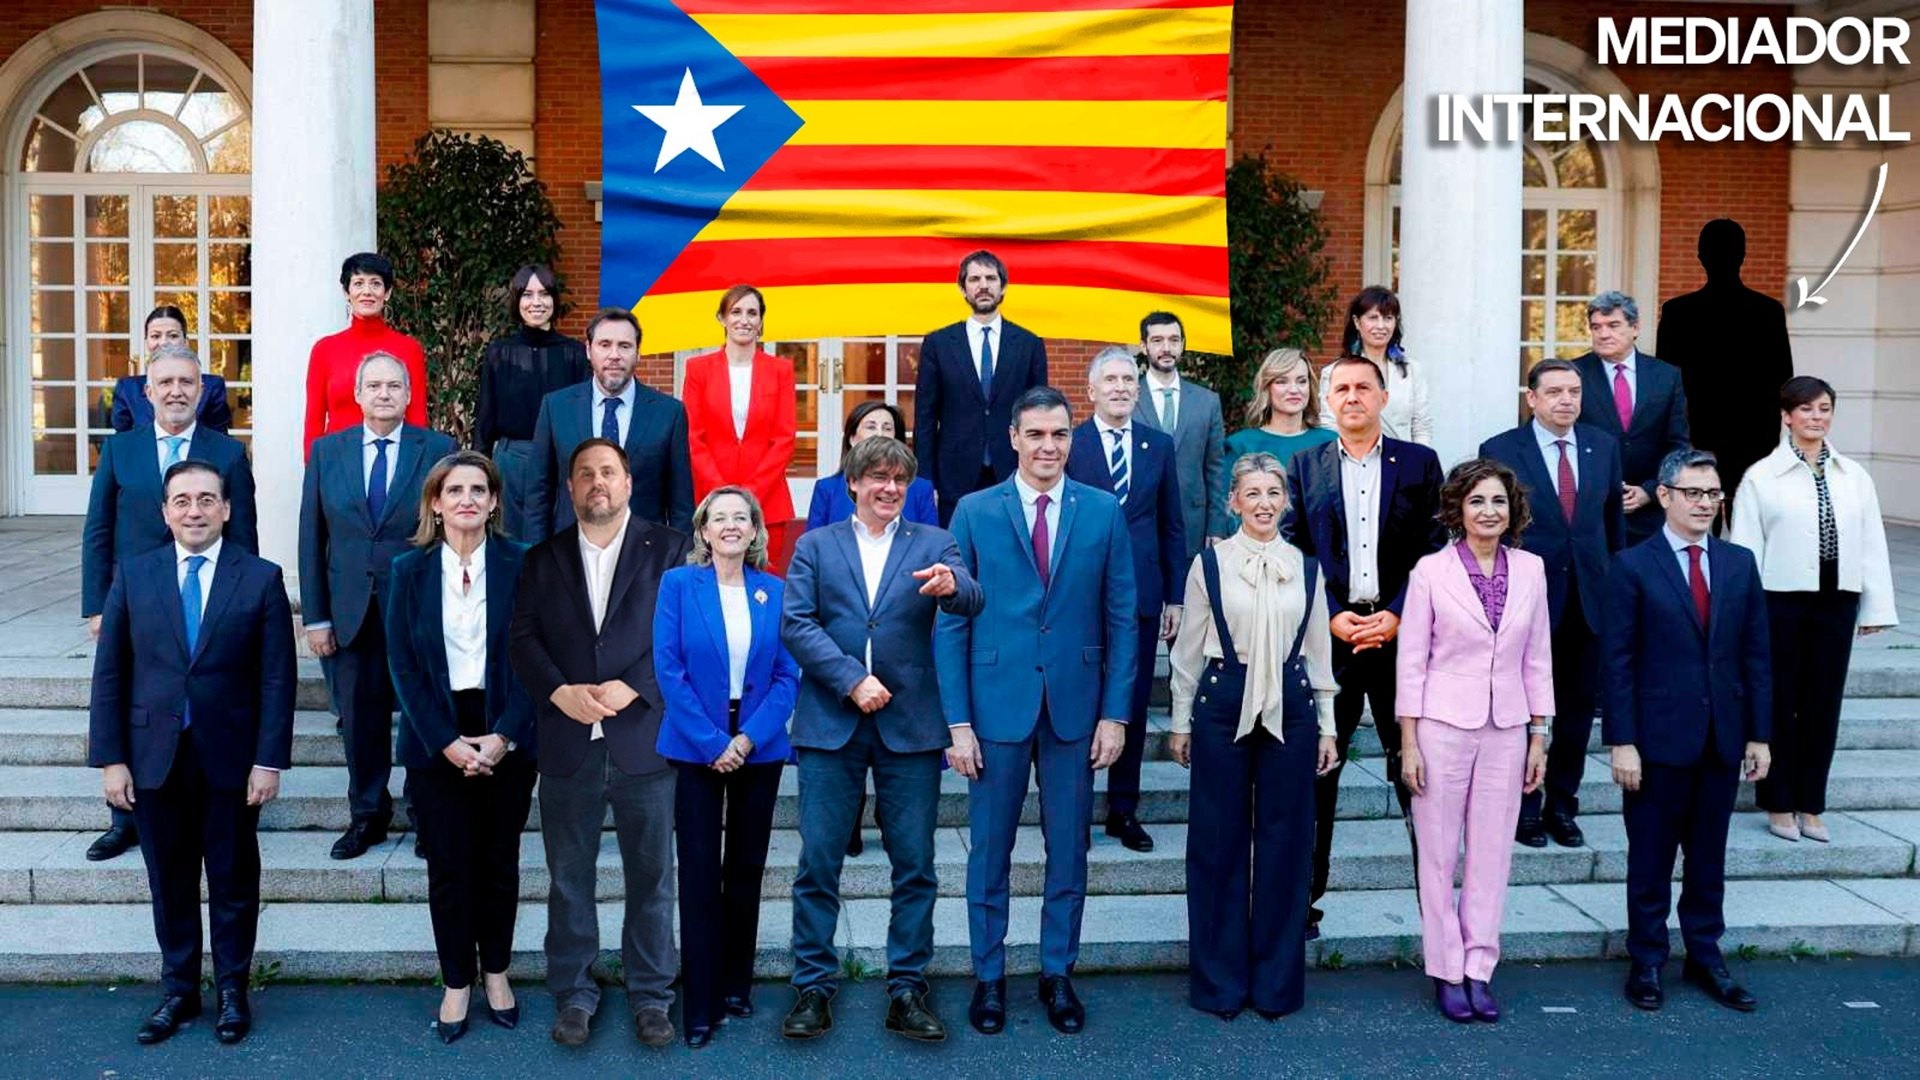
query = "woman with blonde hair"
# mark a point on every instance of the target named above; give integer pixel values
(1282, 419)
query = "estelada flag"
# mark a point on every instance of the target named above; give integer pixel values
(843, 155)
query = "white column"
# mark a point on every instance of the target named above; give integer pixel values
(1460, 223)
(313, 205)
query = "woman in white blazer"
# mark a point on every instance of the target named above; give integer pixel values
(1812, 519)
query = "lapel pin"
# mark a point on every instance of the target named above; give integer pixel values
(759, 596)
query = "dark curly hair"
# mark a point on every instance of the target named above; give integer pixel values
(1461, 481)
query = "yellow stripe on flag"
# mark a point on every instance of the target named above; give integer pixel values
(685, 320)
(986, 215)
(1143, 32)
(1174, 125)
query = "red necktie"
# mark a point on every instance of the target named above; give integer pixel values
(1040, 541)
(1622, 397)
(1567, 490)
(1698, 582)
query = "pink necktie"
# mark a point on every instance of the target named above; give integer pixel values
(1622, 397)
(1040, 541)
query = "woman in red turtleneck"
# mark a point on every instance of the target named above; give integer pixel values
(367, 279)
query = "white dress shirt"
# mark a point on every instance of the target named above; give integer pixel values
(1776, 515)
(1680, 547)
(369, 453)
(1106, 431)
(463, 618)
(993, 328)
(1029, 504)
(624, 413)
(161, 447)
(740, 389)
(1360, 488)
(1156, 389)
(1550, 453)
(212, 554)
(599, 564)
(873, 562)
(739, 624)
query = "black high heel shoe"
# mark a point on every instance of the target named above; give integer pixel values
(508, 1017)
(450, 1032)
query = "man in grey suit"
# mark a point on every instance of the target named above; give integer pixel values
(1190, 412)
(359, 508)
(863, 636)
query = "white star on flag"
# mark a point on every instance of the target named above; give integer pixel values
(689, 124)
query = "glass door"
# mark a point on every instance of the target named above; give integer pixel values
(831, 378)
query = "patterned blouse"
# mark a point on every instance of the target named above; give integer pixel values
(1492, 590)
(1829, 535)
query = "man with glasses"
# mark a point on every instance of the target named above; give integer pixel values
(1688, 710)
(1190, 412)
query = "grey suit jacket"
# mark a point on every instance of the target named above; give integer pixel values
(1199, 450)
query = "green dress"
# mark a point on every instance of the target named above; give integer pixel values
(1256, 441)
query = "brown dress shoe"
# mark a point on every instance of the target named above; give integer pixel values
(652, 1027)
(571, 1026)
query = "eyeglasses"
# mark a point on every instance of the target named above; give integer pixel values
(1710, 496)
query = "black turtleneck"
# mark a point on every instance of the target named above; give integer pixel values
(516, 372)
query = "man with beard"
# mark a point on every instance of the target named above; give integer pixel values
(1190, 412)
(970, 373)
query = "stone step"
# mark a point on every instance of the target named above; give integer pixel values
(66, 682)
(51, 868)
(114, 942)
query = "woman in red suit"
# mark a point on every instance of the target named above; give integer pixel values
(367, 279)
(740, 410)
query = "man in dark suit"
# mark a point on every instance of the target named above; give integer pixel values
(1635, 398)
(862, 633)
(969, 375)
(583, 647)
(124, 514)
(1570, 472)
(648, 426)
(1688, 708)
(1190, 412)
(190, 724)
(359, 508)
(1368, 508)
(1730, 344)
(1136, 464)
(1038, 684)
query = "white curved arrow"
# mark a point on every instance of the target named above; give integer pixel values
(1813, 297)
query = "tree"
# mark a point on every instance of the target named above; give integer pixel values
(457, 218)
(1280, 292)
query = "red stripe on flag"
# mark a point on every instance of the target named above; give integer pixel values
(1159, 268)
(924, 7)
(995, 168)
(955, 78)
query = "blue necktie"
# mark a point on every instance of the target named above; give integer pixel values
(377, 483)
(986, 386)
(190, 613)
(176, 449)
(610, 420)
(1117, 464)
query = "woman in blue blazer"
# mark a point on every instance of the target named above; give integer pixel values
(166, 325)
(729, 687)
(831, 501)
(466, 727)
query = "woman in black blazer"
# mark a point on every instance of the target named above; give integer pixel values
(466, 727)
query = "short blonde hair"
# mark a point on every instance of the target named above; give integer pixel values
(1281, 362)
(701, 555)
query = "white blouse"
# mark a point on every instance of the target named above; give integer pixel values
(1776, 515)
(463, 616)
(739, 620)
(1254, 577)
(740, 387)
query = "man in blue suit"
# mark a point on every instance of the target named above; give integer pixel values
(650, 426)
(124, 512)
(191, 723)
(1570, 472)
(1136, 464)
(359, 508)
(969, 375)
(1368, 508)
(1637, 399)
(1688, 708)
(862, 634)
(1040, 681)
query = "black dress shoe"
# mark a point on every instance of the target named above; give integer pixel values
(910, 1015)
(1719, 985)
(360, 836)
(988, 1011)
(811, 1016)
(856, 844)
(234, 1020)
(698, 1036)
(738, 1006)
(1531, 832)
(1643, 988)
(113, 843)
(1064, 1010)
(1565, 831)
(175, 1012)
(1126, 828)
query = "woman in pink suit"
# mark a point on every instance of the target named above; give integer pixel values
(1476, 689)
(740, 410)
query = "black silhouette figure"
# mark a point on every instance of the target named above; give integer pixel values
(1730, 344)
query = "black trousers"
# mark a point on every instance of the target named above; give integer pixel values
(472, 827)
(721, 826)
(186, 823)
(1576, 673)
(1812, 636)
(1678, 808)
(363, 691)
(1366, 678)
(1123, 778)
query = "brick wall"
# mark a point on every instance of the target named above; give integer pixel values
(229, 20)
(400, 79)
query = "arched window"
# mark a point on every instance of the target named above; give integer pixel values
(133, 188)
